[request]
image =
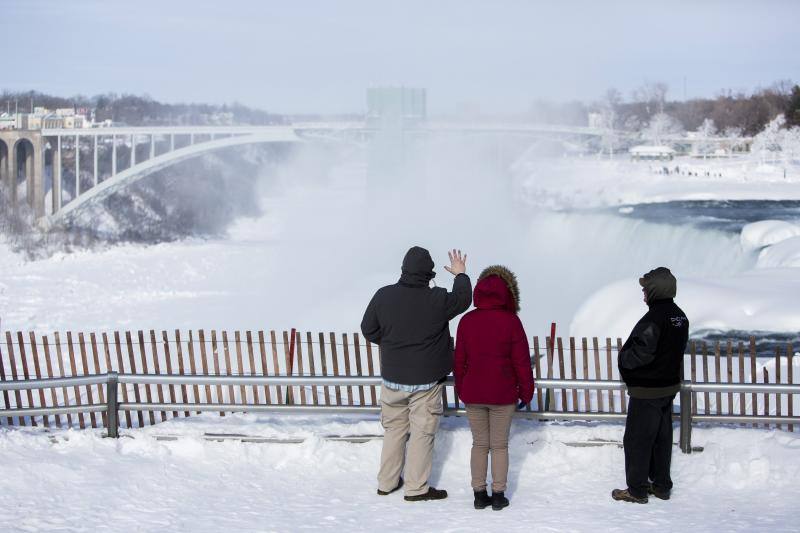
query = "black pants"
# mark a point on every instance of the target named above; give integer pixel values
(648, 444)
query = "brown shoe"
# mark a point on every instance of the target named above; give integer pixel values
(623, 495)
(387, 492)
(658, 493)
(432, 494)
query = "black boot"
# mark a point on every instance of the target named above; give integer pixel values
(482, 499)
(658, 493)
(499, 501)
(432, 494)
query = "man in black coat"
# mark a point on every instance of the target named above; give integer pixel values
(651, 364)
(410, 322)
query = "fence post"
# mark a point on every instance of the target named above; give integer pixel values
(112, 415)
(686, 417)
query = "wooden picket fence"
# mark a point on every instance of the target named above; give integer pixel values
(271, 353)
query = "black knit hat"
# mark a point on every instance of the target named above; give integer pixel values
(659, 284)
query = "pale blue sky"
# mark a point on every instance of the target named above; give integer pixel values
(306, 55)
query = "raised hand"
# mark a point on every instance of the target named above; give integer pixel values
(458, 263)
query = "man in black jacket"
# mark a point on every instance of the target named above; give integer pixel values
(410, 322)
(651, 364)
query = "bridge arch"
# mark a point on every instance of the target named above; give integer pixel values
(24, 168)
(141, 170)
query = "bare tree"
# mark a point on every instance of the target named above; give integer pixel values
(653, 95)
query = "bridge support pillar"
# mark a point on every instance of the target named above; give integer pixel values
(36, 178)
(13, 175)
(4, 171)
(77, 166)
(28, 170)
(133, 150)
(152, 145)
(56, 197)
(94, 155)
(113, 155)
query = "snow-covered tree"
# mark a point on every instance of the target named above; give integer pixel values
(734, 138)
(608, 119)
(767, 144)
(706, 131)
(790, 145)
(660, 126)
(778, 143)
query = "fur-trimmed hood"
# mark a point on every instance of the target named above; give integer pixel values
(489, 289)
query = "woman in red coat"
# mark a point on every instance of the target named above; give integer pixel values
(492, 370)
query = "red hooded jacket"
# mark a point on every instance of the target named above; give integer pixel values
(492, 361)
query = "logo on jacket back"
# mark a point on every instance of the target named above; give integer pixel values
(677, 321)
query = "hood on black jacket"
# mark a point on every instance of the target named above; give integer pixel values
(417, 267)
(659, 284)
(483, 291)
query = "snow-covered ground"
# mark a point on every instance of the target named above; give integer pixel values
(744, 480)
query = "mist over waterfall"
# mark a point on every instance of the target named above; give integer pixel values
(457, 196)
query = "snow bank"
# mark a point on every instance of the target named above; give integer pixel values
(761, 299)
(744, 480)
(757, 235)
(783, 254)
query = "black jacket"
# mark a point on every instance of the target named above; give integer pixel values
(409, 320)
(652, 357)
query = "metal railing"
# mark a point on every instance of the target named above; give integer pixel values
(112, 406)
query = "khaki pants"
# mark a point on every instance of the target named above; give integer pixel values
(412, 417)
(490, 425)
